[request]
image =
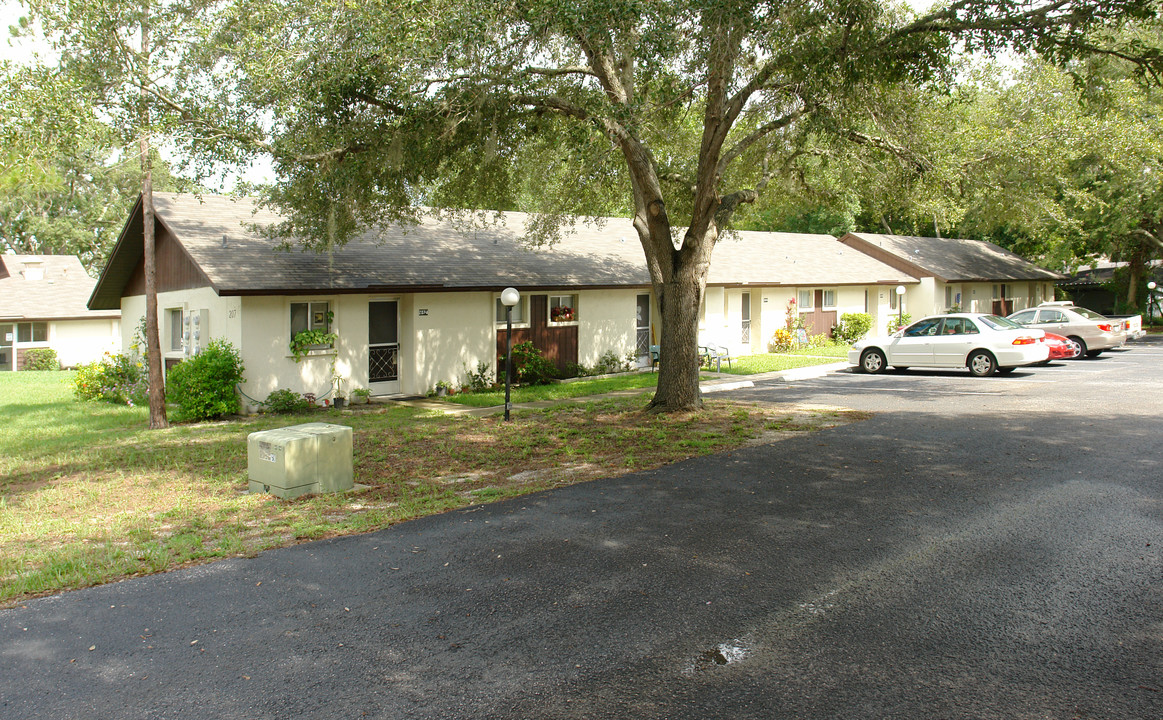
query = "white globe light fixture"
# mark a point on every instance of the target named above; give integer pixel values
(509, 298)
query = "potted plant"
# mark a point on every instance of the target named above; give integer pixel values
(340, 400)
(442, 388)
(359, 396)
(305, 341)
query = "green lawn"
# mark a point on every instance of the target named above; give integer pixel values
(748, 365)
(771, 362)
(89, 495)
(832, 351)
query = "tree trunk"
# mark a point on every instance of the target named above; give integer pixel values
(678, 368)
(157, 383)
(680, 298)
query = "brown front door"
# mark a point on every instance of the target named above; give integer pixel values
(819, 321)
(557, 343)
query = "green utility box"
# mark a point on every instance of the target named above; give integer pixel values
(300, 459)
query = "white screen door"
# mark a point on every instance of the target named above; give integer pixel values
(383, 349)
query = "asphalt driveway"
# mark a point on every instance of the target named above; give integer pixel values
(980, 548)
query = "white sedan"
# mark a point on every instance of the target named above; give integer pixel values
(983, 343)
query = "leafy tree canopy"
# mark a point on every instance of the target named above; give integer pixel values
(65, 179)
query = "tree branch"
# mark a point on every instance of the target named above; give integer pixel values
(758, 134)
(565, 107)
(1148, 235)
(605, 71)
(888, 146)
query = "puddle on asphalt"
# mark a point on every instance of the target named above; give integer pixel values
(726, 653)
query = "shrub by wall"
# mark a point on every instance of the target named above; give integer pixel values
(285, 402)
(853, 326)
(202, 387)
(41, 359)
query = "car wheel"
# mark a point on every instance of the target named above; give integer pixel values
(1079, 346)
(873, 361)
(1093, 353)
(982, 364)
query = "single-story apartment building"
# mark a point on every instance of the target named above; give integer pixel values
(414, 305)
(43, 305)
(958, 274)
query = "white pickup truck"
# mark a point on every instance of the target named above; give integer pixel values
(1132, 324)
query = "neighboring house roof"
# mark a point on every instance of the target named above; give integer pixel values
(215, 234)
(1104, 272)
(948, 259)
(45, 287)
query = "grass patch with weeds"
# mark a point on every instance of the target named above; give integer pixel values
(89, 495)
(557, 391)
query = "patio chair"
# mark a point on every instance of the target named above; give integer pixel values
(714, 354)
(721, 354)
(655, 355)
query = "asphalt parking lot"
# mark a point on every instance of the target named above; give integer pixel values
(978, 548)
(1123, 370)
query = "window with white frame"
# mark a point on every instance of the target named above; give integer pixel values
(563, 308)
(804, 299)
(31, 332)
(892, 298)
(518, 310)
(314, 315)
(174, 328)
(829, 298)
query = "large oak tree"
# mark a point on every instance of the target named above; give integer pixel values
(676, 111)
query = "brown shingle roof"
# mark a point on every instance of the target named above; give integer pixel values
(438, 254)
(949, 259)
(45, 287)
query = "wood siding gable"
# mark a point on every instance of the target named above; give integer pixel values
(176, 270)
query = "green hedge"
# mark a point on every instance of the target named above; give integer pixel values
(203, 387)
(41, 359)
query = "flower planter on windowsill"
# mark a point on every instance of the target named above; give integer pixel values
(313, 353)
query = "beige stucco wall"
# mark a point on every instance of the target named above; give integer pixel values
(266, 332)
(83, 341)
(223, 313)
(771, 311)
(442, 337)
(606, 322)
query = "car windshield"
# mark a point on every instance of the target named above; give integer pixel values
(1088, 314)
(999, 323)
(921, 328)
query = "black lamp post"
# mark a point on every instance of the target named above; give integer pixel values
(509, 298)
